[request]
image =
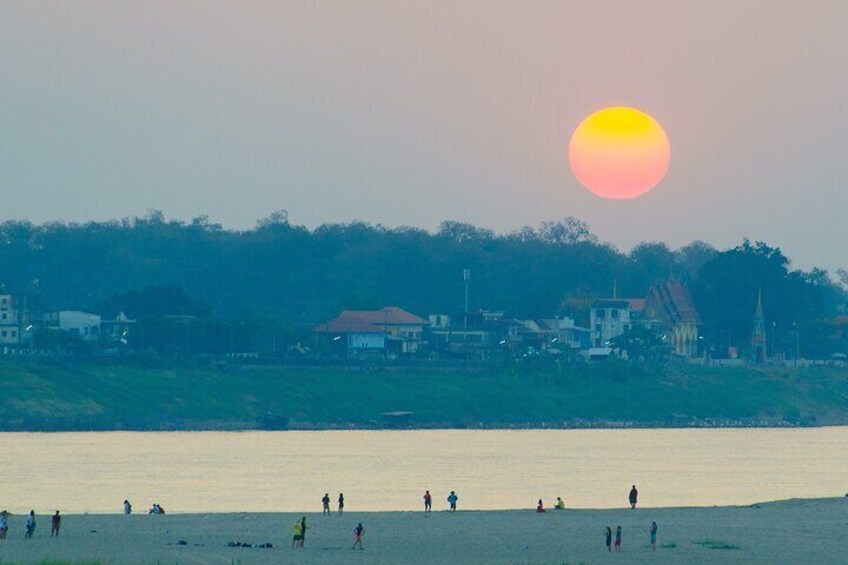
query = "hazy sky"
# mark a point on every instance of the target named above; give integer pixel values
(411, 113)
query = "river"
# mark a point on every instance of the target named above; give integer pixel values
(389, 470)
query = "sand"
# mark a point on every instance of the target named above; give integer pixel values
(791, 532)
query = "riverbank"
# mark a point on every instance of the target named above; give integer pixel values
(65, 396)
(790, 532)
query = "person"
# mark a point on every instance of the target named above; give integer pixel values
(302, 531)
(609, 538)
(30, 524)
(560, 505)
(4, 524)
(428, 502)
(357, 536)
(341, 503)
(160, 508)
(326, 501)
(298, 535)
(654, 529)
(154, 509)
(127, 508)
(634, 495)
(55, 524)
(618, 538)
(540, 508)
(452, 498)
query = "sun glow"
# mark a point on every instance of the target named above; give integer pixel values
(619, 153)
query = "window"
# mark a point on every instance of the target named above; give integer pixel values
(14, 333)
(599, 313)
(3, 334)
(5, 315)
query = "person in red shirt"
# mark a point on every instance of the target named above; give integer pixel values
(540, 509)
(428, 502)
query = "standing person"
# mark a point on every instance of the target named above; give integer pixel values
(30, 524)
(326, 501)
(55, 524)
(452, 498)
(357, 536)
(609, 538)
(634, 496)
(341, 503)
(428, 502)
(618, 538)
(302, 531)
(654, 529)
(297, 534)
(540, 508)
(127, 508)
(4, 524)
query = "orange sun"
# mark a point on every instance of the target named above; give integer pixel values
(619, 153)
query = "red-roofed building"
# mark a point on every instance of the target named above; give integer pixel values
(671, 305)
(390, 328)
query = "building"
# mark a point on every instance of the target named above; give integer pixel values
(389, 329)
(118, 330)
(353, 336)
(611, 317)
(670, 306)
(19, 317)
(82, 325)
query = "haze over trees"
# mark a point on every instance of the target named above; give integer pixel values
(260, 288)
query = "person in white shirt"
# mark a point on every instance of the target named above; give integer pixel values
(30, 524)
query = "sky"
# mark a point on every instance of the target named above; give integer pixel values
(411, 113)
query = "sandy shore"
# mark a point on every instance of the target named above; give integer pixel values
(791, 532)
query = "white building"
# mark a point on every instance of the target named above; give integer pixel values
(84, 325)
(611, 317)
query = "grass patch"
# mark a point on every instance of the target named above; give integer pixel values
(715, 544)
(671, 545)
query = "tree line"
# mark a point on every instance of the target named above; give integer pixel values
(262, 288)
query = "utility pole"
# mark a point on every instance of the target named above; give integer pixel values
(466, 277)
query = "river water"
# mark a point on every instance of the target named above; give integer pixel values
(389, 470)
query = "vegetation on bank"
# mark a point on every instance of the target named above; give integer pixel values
(64, 395)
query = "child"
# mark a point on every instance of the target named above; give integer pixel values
(618, 538)
(609, 538)
(357, 536)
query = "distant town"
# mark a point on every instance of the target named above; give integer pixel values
(663, 326)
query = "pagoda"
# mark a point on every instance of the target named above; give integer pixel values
(758, 335)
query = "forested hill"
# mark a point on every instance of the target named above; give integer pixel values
(299, 276)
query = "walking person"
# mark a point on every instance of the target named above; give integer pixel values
(357, 536)
(428, 502)
(654, 529)
(341, 503)
(634, 497)
(55, 524)
(326, 501)
(4, 524)
(452, 498)
(30, 524)
(618, 539)
(609, 538)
